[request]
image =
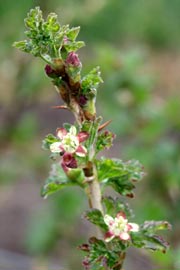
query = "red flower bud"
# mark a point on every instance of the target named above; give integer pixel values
(50, 72)
(82, 100)
(73, 59)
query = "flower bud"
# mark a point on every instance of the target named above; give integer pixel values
(73, 59)
(82, 100)
(50, 72)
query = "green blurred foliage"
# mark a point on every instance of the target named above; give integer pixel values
(147, 127)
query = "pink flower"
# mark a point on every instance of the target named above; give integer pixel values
(73, 59)
(70, 142)
(119, 227)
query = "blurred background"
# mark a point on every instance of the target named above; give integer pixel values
(137, 45)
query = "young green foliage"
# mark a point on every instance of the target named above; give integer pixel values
(46, 37)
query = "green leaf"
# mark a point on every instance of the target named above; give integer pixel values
(73, 33)
(74, 46)
(104, 141)
(34, 19)
(55, 182)
(119, 175)
(100, 256)
(67, 126)
(24, 46)
(48, 140)
(147, 237)
(155, 243)
(52, 23)
(91, 127)
(152, 242)
(95, 216)
(91, 81)
(153, 226)
(115, 205)
(108, 168)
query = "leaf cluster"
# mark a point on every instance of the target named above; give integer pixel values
(47, 38)
(100, 257)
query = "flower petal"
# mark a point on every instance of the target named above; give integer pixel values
(134, 227)
(55, 147)
(73, 130)
(61, 132)
(81, 151)
(108, 220)
(82, 136)
(121, 214)
(109, 236)
(124, 236)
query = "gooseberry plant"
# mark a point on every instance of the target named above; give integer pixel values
(74, 149)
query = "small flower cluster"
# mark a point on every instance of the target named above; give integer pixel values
(119, 227)
(69, 146)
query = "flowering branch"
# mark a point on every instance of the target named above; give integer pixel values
(77, 145)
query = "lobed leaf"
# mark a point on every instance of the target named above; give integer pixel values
(34, 19)
(73, 33)
(115, 205)
(91, 81)
(24, 46)
(152, 242)
(95, 216)
(52, 24)
(74, 46)
(119, 175)
(153, 226)
(55, 182)
(100, 256)
(104, 141)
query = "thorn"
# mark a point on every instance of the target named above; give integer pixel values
(60, 107)
(104, 125)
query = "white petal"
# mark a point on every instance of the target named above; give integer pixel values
(108, 220)
(55, 147)
(124, 236)
(73, 130)
(116, 231)
(108, 239)
(135, 227)
(61, 132)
